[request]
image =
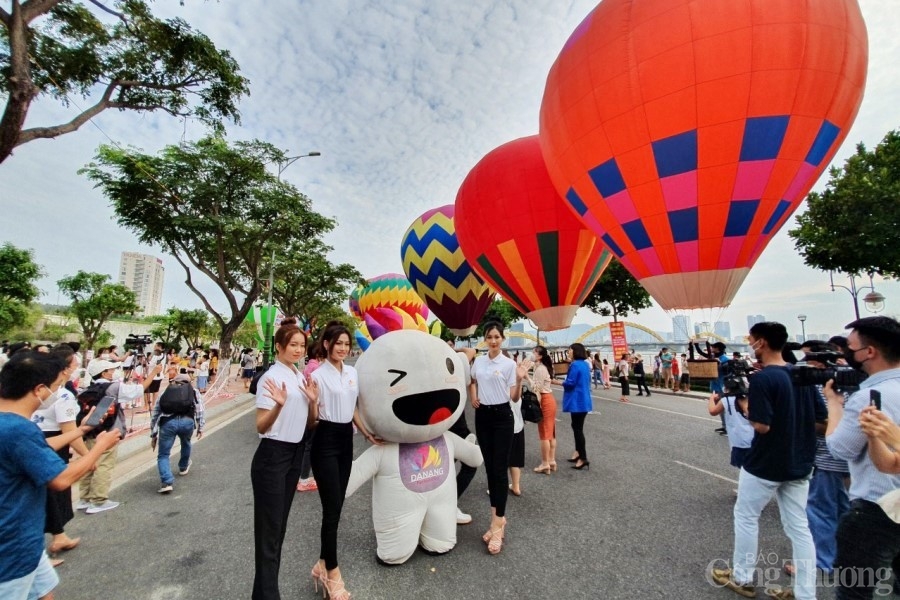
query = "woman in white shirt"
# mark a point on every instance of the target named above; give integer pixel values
(496, 380)
(332, 448)
(285, 407)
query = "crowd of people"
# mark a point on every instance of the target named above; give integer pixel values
(802, 443)
(77, 405)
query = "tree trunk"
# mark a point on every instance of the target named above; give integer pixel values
(21, 89)
(227, 335)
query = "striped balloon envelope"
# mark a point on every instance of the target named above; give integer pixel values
(391, 290)
(522, 239)
(354, 302)
(435, 265)
(686, 132)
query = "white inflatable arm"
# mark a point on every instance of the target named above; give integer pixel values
(464, 451)
(364, 468)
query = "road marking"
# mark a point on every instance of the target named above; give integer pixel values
(673, 412)
(717, 476)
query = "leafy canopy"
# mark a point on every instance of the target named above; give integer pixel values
(18, 274)
(617, 293)
(847, 227)
(94, 301)
(119, 57)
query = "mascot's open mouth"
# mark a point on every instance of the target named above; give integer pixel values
(427, 408)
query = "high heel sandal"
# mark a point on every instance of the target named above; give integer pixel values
(495, 544)
(335, 588)
(584, 465)
(319, 575)
(576, 459)
(553, 466)
(545, 470)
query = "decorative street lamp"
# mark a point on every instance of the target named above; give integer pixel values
(873, 300)
(803, 325)
(270, 317)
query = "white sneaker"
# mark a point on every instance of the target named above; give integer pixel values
(82, 505)
(187, 468)
(98, 508)
(165, 489)
(462, 518)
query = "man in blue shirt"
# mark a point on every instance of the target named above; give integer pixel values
(779, 464)
(867, 539)
(717, 385)
(28, 466)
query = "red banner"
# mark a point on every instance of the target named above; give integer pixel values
(619, 342)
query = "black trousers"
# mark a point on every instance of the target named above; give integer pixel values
(306, 464)
(274, 473)
(623, 381)
(868, 541)
(332, 458)
(59, 504)
(578, 431)
(466, 473)
(494, 429)
(642, 382)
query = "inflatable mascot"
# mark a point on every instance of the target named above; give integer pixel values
(412, 388)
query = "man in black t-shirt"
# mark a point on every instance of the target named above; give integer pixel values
(779, 464)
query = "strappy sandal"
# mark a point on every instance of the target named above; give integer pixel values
(553, 466)
(495, 545)
(486, 538)
(335, 589)
(319, 575)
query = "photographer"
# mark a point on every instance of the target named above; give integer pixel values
(828, 499)
(779, 464)
(867, 539)
(717, 386)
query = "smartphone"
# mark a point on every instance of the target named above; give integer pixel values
(875, 399)
(100, 411)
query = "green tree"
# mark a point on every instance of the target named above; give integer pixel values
(94, 301)
(164, 329)
(846, 227)
(18, 274)
(189, 326)
(245, 336)
(308, 285)
(126, 60)
(617, 293)
(499, 310)
(215, 208)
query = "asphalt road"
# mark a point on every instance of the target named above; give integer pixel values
(645, 521)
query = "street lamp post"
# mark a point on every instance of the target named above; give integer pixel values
(873, 300)
(270, 316)
(802, 326)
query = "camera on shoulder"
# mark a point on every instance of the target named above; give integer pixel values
(846, 379)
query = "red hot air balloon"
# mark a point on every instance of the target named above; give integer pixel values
(685, 132)
(521, 238)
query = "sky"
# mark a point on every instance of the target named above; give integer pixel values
(402, 99)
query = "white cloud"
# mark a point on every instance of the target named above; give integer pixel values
(402, 99)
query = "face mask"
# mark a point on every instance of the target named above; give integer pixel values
(49, 401)
(850, 357)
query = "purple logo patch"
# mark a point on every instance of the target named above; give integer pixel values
(424, 466)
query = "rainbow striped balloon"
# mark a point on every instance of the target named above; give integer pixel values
(391, 290)
(438, 271)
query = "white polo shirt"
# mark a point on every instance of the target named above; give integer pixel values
(291, 422)
(338, 391)
(494, 377)
(64, 410)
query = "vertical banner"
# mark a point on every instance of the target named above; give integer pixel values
(619, 343)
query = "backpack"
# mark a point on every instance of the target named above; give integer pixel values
(254, 383)
(91, 397)
(177, 399)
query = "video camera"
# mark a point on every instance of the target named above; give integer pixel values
(846, 379)
(735, 376)
(137, 342)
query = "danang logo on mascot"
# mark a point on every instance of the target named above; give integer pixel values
(421, 465)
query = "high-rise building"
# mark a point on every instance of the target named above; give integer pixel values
(143, 274)
(681, 328)
(754, 319)
(722, 329)
(702, 327)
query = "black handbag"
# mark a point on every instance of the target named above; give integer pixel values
(531, 406)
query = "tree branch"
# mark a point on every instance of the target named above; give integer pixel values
(4, 17)
(32, 9)
(35, 133)
(193, 288)
(105, 8)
